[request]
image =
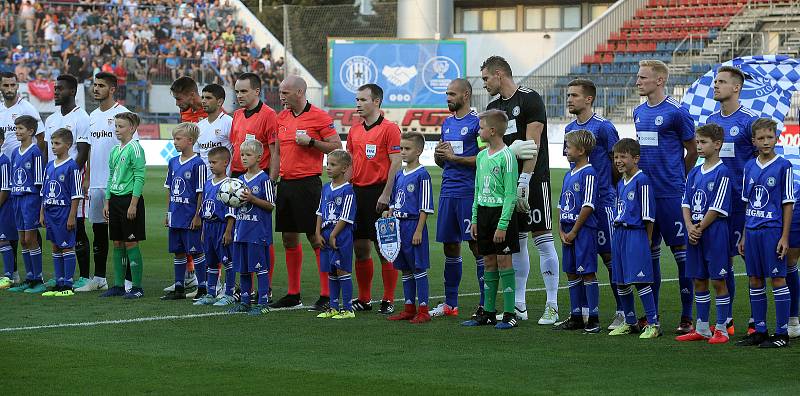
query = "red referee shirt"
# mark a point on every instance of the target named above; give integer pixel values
(260, 124)
(299, 161)
(191, 115)
(370, 147)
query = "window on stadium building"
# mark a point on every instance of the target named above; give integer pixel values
(524, 18)
(597, 10)
(572, 17)
(533, 18)
(489, 20)
(552, 18)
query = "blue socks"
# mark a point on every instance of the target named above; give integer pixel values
(723, 309)
(230, 279)
(792, 281)
(409, 288)
(36, 262)
(421, 282)
(246, 282)
(213, 276)
(626, 298)
(686, 284)
(200, 270)
(26, 259)
(730, 282)
(333, 286)
(575, 291)
(69, 261)
(782, 297)
(648, 301)
(263, 285)
(346, 286)
(593, 298)
(58, 268)
(180, 270)
(703, 301)
(655, 257)
(758, 307)
(452, 278)
(7, 252)
(479, 268)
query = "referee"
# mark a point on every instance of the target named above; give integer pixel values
(305, 134)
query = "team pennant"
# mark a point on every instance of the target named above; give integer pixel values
(388, 237)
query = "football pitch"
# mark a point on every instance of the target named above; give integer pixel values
(88, 345)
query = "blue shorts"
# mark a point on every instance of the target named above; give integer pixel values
(453, 220)
(706, 260)
(250, 257)
(26, 211)
(669, 223)
(760, 257)
(8, 225)
(412, 257)
(630, 253)
(342, 257)
(580, 257)
(56, 227)
(216, 252)
(736, 225)
(794, 231)
(605, 227)
(183, 241)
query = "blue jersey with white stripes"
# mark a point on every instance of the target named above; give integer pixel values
(63, 182)
(578, 190)
(337, 203)
(661, 131)
(737, 147)
(27, 170)
(212, 210)
(412, 193)
(635, 202)
(708, 189)
(766, 187)
(185, 179)
(254, 224)
(606, 137)
(458, 181)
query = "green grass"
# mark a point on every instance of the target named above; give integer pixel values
(295, 353)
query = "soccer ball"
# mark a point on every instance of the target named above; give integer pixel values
(230, 192)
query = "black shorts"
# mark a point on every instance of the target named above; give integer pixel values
(296, 204)
(366, 216)
(119, 227)
(540, 217)
(488, 218)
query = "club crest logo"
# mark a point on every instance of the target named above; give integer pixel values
(256, 189)
(771, 182)
(338, 200)
(734, 130)
(187, 175)
(631, 195)
(370, 150)
(61, 178)
(515, 111)
(576, 187)
(710, 186)
(464, 131)
(27, 165)
(357, 71)
(410, 188)
(659, 120)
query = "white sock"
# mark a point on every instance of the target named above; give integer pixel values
(128, 285)
(522, 267)
(548, 265)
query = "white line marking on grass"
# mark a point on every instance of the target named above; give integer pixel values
(211, 314)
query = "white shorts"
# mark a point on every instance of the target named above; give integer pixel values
(95, 202)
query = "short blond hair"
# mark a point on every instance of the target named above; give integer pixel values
(188, 129)
(581, 139)
(252, 146)
(496, 119)
(658, 66)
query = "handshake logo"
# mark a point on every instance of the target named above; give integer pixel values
(399, 75)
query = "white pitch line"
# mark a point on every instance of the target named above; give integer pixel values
(210, 314)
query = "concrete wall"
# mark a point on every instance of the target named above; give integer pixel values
(523, 50)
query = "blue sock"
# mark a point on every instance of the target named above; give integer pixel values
(346, 284)
(200, 270)
(69, 260)
(479, 268)
(8, 260)
(263, 285)
(230, 279)
(180, 270)
(793, 282)
(655, 257)
(575, 289)
(213, 277)
(421, 282)
(246, 282)
(703, 301)
(648, 301)
(26, 259)
(782, 297)
(452, 278)
(333, 286)
(583, 301)
(730, 282)
(593, 297)
(409, 288)
(614, 289)
(628, 306)
(58, 268)
(758, 307)
(36, 262)
(723, 309)
(686, 284)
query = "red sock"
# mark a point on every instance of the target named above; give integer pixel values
(294, 266)
(364, 271)
(389, 281)
(324, 289)
(189, 263)
(271, 262)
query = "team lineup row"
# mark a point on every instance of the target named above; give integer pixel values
(294, 141)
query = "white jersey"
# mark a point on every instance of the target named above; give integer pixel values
(102, 140)
(7, 117)
(216, 134)
(77, 121)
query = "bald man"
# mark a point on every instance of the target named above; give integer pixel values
(305, 134)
